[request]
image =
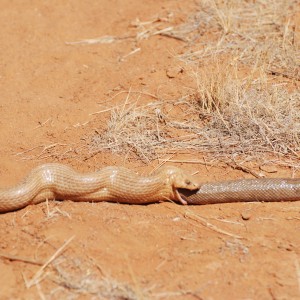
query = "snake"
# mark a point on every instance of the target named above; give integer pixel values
(55, 181)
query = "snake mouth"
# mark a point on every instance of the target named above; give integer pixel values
(185, 193)
(179, 197)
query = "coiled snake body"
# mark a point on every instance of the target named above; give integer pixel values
(118, 184)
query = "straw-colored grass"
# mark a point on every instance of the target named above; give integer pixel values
(245, 101)
(262, 32)
(253, 119)
(237, 109)
(227, 118)
(132, 129)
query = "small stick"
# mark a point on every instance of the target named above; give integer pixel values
(192, 162)
(104, 110)
(162, 162)
(189, 214)
(134, 92)
(171, 35)
(17, 258)
(277, 73)
(28, 150)
(41, 294)
(130, 53)
(106, 39)
(42, 124)
(238, 166)
(38, 274)
(209, 225)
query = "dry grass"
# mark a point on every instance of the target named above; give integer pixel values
(75, 278)
(261, 32)
(133, 129)
(228, 115)
(228, 118)
(247, 118)
(245, 103)
(70, 277)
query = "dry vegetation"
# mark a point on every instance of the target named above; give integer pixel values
(247, 107)
(232, 119)
(255, 33)
(69, 277)
(244, 59)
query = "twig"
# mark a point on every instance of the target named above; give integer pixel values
(173, 36)
(130, 53)
(22, 259)
(41, 124)
(285, 75)
(134, 92)
(162, 162)
(104, 110)
(238, 166)
(37, 277)
(137, 289)
(28, 150)
(41, 294)
(196, 217)
(191, 162)
(106, 39)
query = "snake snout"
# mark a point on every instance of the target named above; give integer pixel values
(192, 185)
(188, 184)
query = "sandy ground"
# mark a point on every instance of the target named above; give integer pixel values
(50, 92)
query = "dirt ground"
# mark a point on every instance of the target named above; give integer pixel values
(54, 94)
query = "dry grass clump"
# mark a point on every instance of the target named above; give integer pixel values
(226, 118)
(72, 283)
(133, 129)
(261, 32)
(74, 277)
(250, 119)
(250, 116)
(238, 109)
(69, 277)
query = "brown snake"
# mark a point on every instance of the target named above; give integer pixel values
(118, 184)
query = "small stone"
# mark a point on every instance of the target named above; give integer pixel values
(246, 215)
(173, 72)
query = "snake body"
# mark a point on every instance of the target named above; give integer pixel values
(113, 184)
(118, 184)
(245, 190)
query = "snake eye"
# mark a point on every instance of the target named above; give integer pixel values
(188, 182)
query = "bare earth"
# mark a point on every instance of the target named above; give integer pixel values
(53, 95)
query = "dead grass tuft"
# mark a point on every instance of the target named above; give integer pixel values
(71, 278)
(227, 118)
(74, 280)
(243, 107)
(262, 32)
(132, 129)
(247, 118)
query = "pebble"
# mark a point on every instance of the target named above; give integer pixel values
(245, 215)
(173, 72)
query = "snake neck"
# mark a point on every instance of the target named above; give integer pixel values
(161, 185)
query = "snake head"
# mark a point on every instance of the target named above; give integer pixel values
(181, 180)
(178, 179)
(185, 181)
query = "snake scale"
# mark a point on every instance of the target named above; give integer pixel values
(118, 184)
